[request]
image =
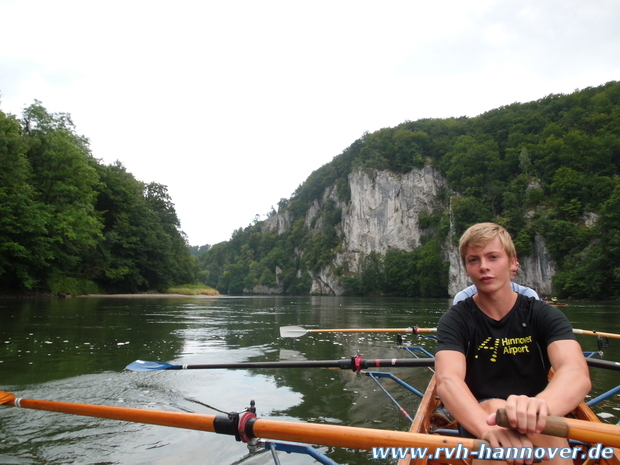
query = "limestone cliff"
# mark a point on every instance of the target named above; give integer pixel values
(383, 213)
(384, 210)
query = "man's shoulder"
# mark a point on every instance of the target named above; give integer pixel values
(460, 310)
(539, 306)
(547, 318)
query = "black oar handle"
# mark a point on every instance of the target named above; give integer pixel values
(358, 363)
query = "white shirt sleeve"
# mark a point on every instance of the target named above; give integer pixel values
(526, 291)
(464, 294)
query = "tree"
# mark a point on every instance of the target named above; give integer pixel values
(467, 211)
(142, 248)
(24, 247)
(66, 181)
(525, 163)
(476, 170)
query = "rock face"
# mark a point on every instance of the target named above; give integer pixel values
(262, 289)
(279, 223)
(385, 209)
(383, 214)
(537, 271)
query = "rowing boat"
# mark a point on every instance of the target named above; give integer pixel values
(427, 421)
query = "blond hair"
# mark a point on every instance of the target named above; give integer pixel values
(481, 234)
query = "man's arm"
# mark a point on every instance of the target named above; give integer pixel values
(450, 369)
(456, 396)
(571, 379)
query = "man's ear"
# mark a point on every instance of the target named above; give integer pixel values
(514, 265)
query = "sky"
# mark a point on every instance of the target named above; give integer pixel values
(232, 104)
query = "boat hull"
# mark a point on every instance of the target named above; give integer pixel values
(426, 421)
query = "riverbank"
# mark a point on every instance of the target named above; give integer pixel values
(150, 296)
(185, 290)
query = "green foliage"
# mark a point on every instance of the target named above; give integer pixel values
(70, 225)
(420, 273)
(67, 286)
(594, 271)
(467, 211)
(66, 181)
(197, 250)
(370, 278)
(142, 248)
(252, 257)
(25, 247)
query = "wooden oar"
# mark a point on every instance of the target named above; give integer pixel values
(248, 426)
(298, 331)
(580, 430)
(353, 363)
(596, 333)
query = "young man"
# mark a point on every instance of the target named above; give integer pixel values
(495, 350)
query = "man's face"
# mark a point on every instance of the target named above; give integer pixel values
(489, 267)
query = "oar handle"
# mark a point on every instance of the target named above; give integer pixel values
(556, 426)
(581, 430)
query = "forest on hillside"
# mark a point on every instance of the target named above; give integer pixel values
(548, 167)
(72, 225)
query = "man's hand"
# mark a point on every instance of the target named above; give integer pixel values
(504, 437)
(528, 415)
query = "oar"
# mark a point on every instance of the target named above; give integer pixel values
(596, 333)
(571, 428)
(298, 331)
(607, 364)
(247, 426)
(354, 363)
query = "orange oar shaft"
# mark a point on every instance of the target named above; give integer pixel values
(355, 437)
(596, 333)
(135, 415)
(327, 435)
(375, 330)
(581, 430)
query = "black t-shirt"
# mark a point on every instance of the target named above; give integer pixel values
(508, 356)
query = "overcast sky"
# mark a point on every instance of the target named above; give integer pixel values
(232, 104)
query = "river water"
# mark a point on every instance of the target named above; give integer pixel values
(75, 350)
